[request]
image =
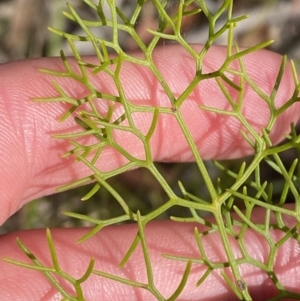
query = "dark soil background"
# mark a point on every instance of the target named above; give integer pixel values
(24, 34)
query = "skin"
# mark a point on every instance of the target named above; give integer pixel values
(31, 166)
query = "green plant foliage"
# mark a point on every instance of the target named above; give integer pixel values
(246, 189)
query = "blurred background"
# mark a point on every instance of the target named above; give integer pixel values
(24, 34)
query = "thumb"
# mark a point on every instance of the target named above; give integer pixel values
(253, 252)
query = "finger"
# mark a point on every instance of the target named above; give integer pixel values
(31, 160)
(109, 246)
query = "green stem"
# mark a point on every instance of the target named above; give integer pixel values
(197, 156)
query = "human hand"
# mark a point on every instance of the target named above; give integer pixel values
(31, 166)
